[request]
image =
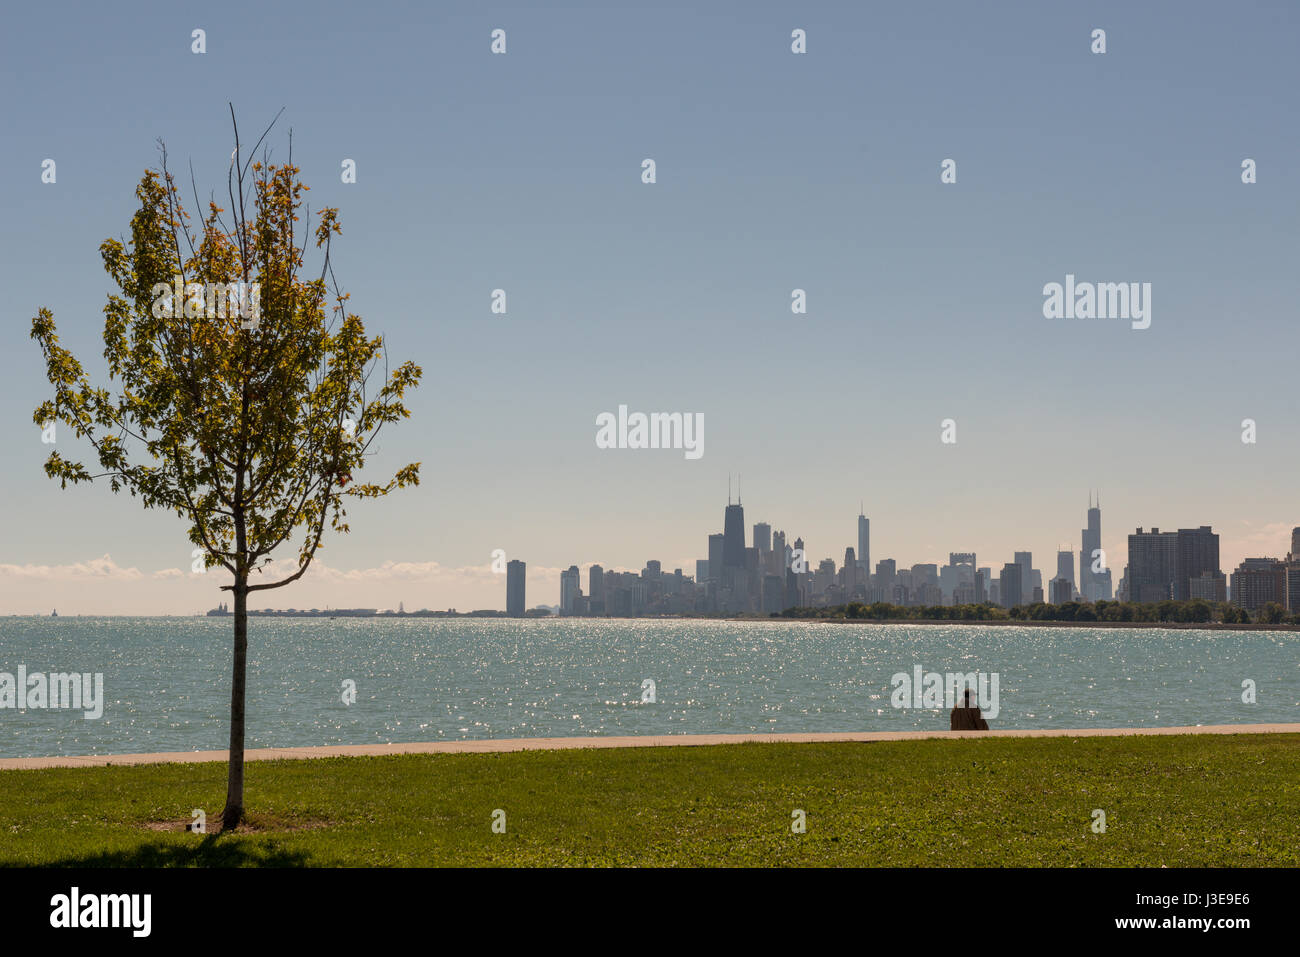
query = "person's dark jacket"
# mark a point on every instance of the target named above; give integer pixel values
(967, 719)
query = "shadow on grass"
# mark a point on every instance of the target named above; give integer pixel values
(215, 850)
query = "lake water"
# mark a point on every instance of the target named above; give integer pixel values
(167, 680)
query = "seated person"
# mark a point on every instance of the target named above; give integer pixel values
(966, 717)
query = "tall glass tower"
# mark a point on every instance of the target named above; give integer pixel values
(864, 542)
(733, 536)
(1093, 586)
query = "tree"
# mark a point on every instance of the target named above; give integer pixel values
(1271, 614)
(241, 395)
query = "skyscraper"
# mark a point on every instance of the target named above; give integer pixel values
(515, 576)
(886, 578)
(1094, 586)
(925, 573)
(1258, 581)
(733, 536)
(1062, 588)
(570, 589)
(851, 573)
(1065, 565)
(1208, 586)
(1293, 574)
(779, 560)
(1026, 562)
(1164, 565)
(1152, 565)
(715, 556)
(864, 544)
(1198, 554)
(1009, 585)
(957, 578)
(733, 578)
(763, 538)
(596, 589)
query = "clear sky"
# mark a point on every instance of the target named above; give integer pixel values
(775, 171)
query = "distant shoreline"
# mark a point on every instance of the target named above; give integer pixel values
(501, 616)
(1030, 623)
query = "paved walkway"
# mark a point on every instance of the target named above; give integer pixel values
(636, 741)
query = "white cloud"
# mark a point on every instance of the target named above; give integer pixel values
(96, 568)
(102, 587)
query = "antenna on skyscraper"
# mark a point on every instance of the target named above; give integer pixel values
(738, 500)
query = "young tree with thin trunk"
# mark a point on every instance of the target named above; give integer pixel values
(240, 396)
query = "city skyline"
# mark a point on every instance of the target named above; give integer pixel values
(475, 587)
(924, 299)
(771, 576)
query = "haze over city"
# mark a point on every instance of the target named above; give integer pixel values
(103, 586)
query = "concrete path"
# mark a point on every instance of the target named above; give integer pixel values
(636, 741)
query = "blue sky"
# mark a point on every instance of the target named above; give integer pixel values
(775, 171)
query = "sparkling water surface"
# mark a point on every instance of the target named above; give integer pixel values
(167, 680)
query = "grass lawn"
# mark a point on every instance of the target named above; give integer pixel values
(1189, 800)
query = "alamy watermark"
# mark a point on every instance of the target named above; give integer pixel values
(932, 690)
(55, 691)
(1103, 300)
(657, 430)
(75, 909)
(211, 300)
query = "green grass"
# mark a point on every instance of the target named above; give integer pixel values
(1179, 801)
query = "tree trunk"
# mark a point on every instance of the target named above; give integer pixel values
(234, 811)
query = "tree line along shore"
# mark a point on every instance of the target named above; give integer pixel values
(1196, 613)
